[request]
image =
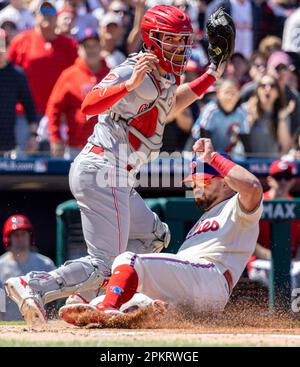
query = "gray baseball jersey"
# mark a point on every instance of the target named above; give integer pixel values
(138, 119)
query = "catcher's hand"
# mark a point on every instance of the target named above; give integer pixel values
(220, 31)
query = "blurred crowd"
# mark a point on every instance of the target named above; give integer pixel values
(53, 52)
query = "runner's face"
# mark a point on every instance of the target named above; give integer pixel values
(206, 193)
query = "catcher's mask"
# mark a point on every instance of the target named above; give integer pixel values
(161, 21)
(13, 223)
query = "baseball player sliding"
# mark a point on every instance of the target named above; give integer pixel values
(210, 261)
(130, 106)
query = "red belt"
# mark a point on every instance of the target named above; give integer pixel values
(229, 280)
(99, 150)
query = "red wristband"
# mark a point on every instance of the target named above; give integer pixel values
(201, 84)
(221, 164)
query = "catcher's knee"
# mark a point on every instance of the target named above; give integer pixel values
(153, 242)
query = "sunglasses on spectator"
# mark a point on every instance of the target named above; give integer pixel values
(264, 85)
(120, 11)
(259, 66)
(283, 176)
(281, 67)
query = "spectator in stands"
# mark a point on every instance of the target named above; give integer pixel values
(18, 14)
(14, 88)
(258, 64)
(281, 179)
(280, 67)
(65, 21)
(237, 68)
(281, 9)
(223, 120)
(268, 45)
(69, 92)
(111, 33)
(10, 28)
(83, 20)
(20, 257)
(291, 39)
(121, 8)
(132, 18)
(294, 153)
(43, 55)
(267, 116)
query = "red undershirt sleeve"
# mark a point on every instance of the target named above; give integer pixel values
(201, 84)
(102, 98)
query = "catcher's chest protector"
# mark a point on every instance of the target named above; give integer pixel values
(142, 112)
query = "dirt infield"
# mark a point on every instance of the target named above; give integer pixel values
(237, 326)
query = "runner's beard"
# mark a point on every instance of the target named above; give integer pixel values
(205, 203)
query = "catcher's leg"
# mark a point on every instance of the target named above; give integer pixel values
(147, 232)
(32, 291)
(104, 213)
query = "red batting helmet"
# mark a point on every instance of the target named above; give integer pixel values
(14, 222)
(167, 20)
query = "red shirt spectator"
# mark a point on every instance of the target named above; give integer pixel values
(68, 94)
(43, 61)
(42, 53)
(66, 97)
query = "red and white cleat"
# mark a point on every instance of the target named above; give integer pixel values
(29, 301)
(75, 299)
(84, 314)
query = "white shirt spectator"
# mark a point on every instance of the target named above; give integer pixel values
(23, 18)
(291, 33)
(242, 16)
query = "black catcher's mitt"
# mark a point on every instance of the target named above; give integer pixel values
(220, 31)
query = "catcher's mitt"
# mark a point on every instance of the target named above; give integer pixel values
(220, 31)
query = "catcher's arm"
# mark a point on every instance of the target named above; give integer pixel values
(220, 31)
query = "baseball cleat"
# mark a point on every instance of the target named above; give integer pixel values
(84, 314)
(29, 302)
(75, 299)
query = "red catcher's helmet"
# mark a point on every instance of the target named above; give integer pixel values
(167, 20)
(14, 222)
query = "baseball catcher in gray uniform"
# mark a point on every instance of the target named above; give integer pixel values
(130, 106)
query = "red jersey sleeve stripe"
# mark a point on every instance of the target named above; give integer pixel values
(102, 98)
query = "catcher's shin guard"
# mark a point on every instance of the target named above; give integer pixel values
(76, 276)
(64, 286)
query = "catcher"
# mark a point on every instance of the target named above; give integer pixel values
(130, 106)
(210, 261)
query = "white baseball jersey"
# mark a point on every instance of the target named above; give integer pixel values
(224, 234)
(137, 119)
